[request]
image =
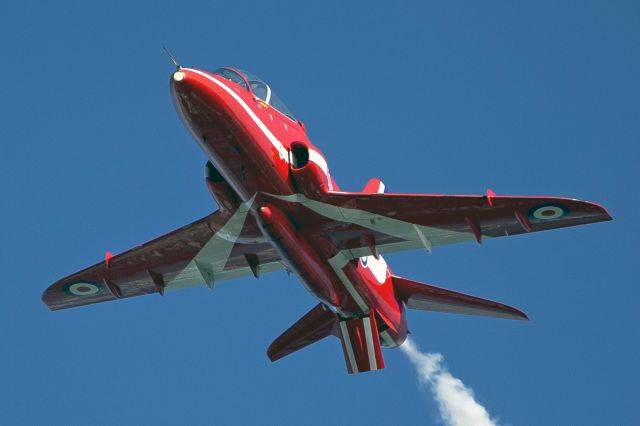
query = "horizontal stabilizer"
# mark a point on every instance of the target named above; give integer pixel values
(429, 298)
(315, 325)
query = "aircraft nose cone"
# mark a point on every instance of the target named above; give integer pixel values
(195, 96)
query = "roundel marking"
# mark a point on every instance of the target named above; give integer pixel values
(548, 212)
(82, 288)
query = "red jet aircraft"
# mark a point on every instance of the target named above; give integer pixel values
(280, 209)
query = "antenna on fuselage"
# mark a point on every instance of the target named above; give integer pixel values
(178, 66)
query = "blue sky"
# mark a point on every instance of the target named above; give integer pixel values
(537, 98)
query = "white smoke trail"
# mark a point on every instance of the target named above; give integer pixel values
(457, 405)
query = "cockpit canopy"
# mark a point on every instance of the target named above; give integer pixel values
(256, 85)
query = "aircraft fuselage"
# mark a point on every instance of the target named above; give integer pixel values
(269, 164)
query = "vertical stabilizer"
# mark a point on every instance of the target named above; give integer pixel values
(361, 344)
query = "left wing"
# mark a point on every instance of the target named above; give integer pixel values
(361, 224)
(217, 247)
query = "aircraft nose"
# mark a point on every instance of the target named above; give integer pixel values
(182, 80)
(191, 91)
(189, 96)
(200, 101)
(204, 108)
(192, 95)
(178, 76)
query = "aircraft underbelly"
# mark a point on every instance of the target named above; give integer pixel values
(305, 257)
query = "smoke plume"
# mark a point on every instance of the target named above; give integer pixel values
(455, 401)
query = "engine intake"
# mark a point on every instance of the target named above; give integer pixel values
(299, 155)
(307, 175)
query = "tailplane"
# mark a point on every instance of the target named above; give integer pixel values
(430, 298)
(315, 325)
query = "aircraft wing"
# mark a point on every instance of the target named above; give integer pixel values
(217, 247)
(363, 224)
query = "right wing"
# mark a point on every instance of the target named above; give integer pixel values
(361, 224)
(217, 247)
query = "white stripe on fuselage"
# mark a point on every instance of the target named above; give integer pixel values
(318, 159)
(272, 138)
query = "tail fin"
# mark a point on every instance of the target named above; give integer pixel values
(361, 344)
(374, 186)
(429, 298)
(315, 325)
